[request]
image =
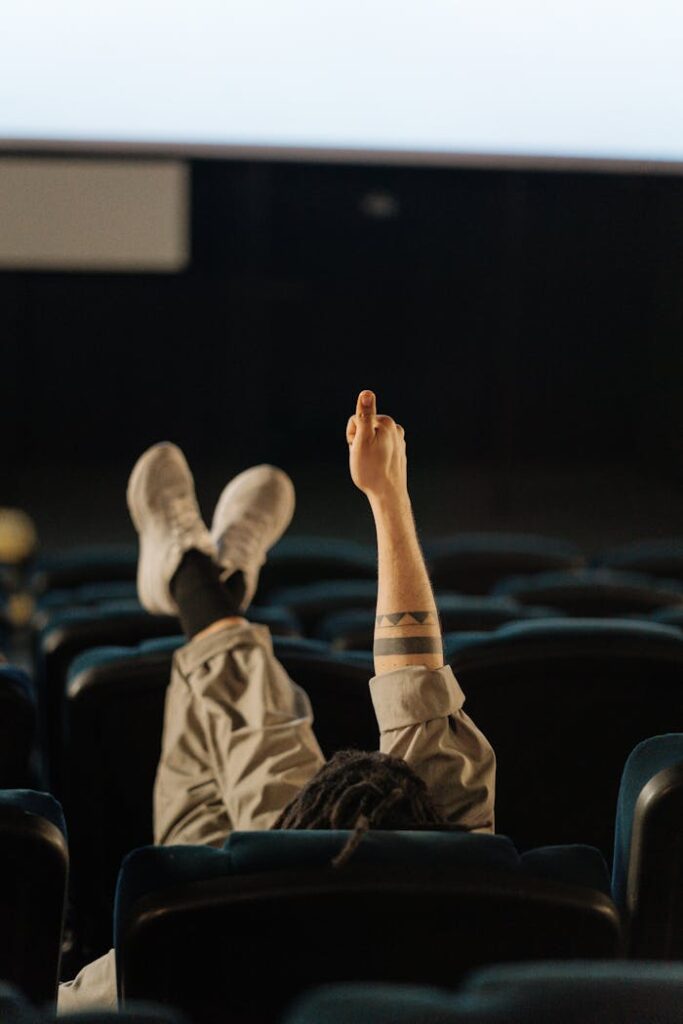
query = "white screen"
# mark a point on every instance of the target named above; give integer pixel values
(588, 79)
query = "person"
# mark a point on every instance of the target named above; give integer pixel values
(238, 748)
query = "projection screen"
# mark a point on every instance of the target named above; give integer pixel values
(586, 82)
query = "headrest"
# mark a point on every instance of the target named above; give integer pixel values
(644, 762)
(31, 802)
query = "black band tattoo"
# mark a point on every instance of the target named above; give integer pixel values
(406, 619)
(408, 645)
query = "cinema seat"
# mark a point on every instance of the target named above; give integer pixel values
(672, 616)
(201, 929)
(296, 561)
(86, 564)
(14, 1009)
(17, 727)
(472, 563)
(33, 875)
(648, 853)
(602, 593)
(70, 631)
(114, 703)
(563, 702)
(313, 601)
(86, 595)
(353, 629)
(538, 993)
(656, 557)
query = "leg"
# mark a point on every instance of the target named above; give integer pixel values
(238, 738)
(238, 742)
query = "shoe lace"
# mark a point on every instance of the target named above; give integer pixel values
(182, 515)
(242, 540)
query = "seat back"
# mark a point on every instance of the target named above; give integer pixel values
(311, 602)
(17, 727)
(353, 629)
(537, 993)
(671, 616)
(419, 907)
(602, 593)
(648, 854)
(472, 563)
(563, 702)
(84, 596)
(113, 724)
(85, 564)
(658, 556)
(297, 561)
(70, 631)
(33, 876)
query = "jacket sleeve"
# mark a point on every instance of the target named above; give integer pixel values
(93, 988)
(420, 718)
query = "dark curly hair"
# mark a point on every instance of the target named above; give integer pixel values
(360, 790)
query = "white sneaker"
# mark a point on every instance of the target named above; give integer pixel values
(252, 513)
(164, 510)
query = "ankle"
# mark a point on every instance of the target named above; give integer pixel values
(216, 627)
(200, 597)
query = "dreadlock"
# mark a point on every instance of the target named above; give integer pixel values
(359, 790)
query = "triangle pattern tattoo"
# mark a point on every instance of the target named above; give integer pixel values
(395, 617)
(420, 617)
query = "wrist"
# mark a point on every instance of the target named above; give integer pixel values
(391, 504)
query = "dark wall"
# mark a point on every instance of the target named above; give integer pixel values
(534, 315)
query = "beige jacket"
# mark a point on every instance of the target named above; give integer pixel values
(238, 745)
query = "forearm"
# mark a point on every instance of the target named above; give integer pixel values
(407, 628)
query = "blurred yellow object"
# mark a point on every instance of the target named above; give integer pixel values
(18, 537)
(19, 609)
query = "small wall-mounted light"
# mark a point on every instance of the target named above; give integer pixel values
(380, 205)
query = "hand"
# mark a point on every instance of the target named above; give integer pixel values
(377, 451)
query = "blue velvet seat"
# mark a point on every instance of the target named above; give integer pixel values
(115, 699)
(308, 558)
(648, 852)
(70, 631)
(72, 567)
(657, 556)
(602, 593)
(85, 596)
(563, 702)
(14, 1009)
(539, 993)
(33, 876)
(472, 563)
(17, 727)
(353, 629)
(671, 616)
(311, 602)
(204, 929)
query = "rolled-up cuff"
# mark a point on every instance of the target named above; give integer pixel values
(197, 651)
(415, 694)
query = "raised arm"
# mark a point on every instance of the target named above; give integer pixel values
(407, 629)
(417, 700)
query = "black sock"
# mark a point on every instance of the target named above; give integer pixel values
(201, 597)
